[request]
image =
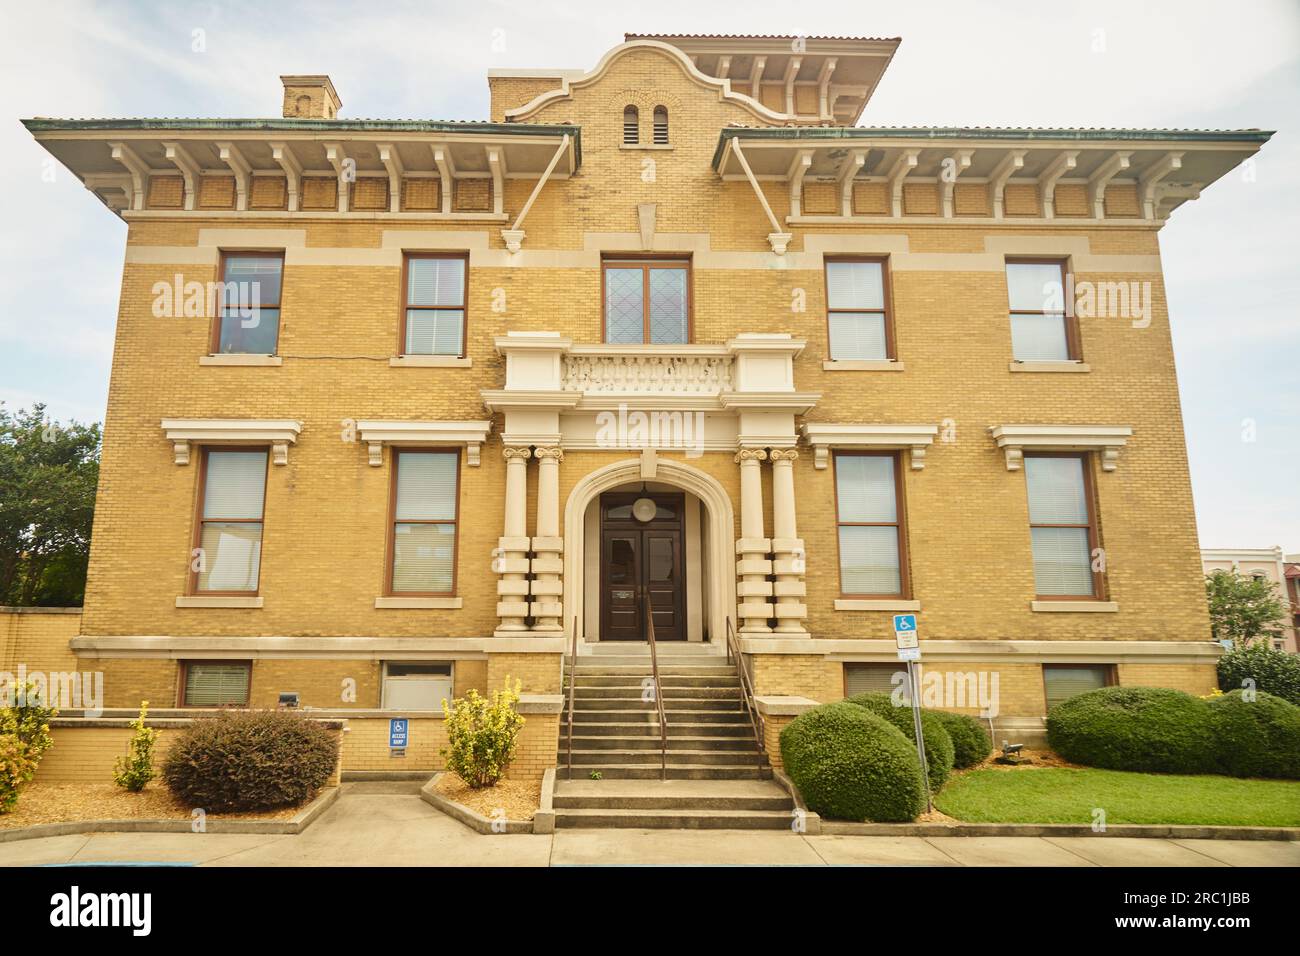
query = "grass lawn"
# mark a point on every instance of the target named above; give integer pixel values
(1058, 795)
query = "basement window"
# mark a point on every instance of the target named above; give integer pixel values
(215, 683)
(422, 685)
(873, 678)
(1063, 681)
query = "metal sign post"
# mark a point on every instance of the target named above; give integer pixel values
(909, 651)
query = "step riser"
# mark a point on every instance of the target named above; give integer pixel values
(650, 728)
(588, 682)
(721, 757)
(670, 704)
(651, 822)
(636, 691)
(723, 744)
(636, 670)
(769, 804)
(722, 718)
(674, 773)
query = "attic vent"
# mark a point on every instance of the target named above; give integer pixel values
(661, 126)
(631, 126)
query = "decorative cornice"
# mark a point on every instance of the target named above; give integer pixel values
(375, 434)
(823, 436)
(279, 434)
(1014, 440)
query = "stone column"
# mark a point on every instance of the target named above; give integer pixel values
(787, 547)
(511, 561)
(753, 566)
(548, 546)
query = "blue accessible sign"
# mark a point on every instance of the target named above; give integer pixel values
(397, 732)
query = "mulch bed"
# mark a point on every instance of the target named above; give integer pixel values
(71, 802)
(519, 800)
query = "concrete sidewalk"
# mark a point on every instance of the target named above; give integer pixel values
(381, 829)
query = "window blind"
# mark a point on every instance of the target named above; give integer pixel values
(235, 484)
(858, 336)
(874, 679)
(1035, 287)
(435, 281)
(216, 685)
(1057, 492)
(864, 485)
(426, 486)
(1063, 681)
(855, 285)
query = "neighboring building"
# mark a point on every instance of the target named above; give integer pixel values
(425, 454)
(1265, 564)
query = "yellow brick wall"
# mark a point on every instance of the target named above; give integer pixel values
(1198, 679)
(39, 639)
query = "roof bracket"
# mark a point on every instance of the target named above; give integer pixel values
(777, 239)
(232, 157)
(514, 236)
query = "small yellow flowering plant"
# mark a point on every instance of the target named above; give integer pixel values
(24, 737)
(483, 734)
(135, 769)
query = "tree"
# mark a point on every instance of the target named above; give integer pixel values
(1242, 608)
(48, 475)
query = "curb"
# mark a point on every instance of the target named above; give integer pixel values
(465, 815)
(1148, 831)
(295, 824)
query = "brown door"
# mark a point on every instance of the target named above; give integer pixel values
(641, 565)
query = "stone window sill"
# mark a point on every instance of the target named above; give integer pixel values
(873, 604)
(429, 361)
(419, 603)
(1050, 367)
(200, 600)
(883, 365)
(645, 146)
(1062, 607)
(240, 359)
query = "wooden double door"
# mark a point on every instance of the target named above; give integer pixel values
(642, 565)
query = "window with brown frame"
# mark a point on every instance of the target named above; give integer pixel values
(647, 301)
(423, 522)
(869, 515)
(1063, 681)
(433, 304)
(215, 683)
(858, 321)
(228, 532)
(248, 320)
(1041, 328)
(1062, 525)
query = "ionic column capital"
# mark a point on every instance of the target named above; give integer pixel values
(751, 454)
(509, 453)
(783, 454)
(555, 452)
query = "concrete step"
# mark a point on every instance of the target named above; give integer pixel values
(635, 690)
(691, 819)
(696, 756)
(671, 795)
(603, 742)
(671, 704)
(666, 681)
(594, 714)
(581, 771)
(649, 727)
(601, 669)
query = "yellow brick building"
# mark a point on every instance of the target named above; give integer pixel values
(670, 338)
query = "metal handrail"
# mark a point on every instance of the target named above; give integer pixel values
(573, 680)
(746, 685)
(659, 694)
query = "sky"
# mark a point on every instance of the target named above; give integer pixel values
(1231, 258)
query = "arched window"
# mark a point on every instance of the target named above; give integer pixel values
(661, 126)
(631, 126)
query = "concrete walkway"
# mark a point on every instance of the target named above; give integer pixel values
(399, 829)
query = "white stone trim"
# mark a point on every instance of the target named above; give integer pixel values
(376, 434)
(1067, 607)
(419, 603)
(1033, 366)
(823, 436)
(311, 648)
(862, 365)
(278, 433)
(1014, 440)
(874, 604)
(241, 359)
(429, 361)
(995, 651)
(199, 600)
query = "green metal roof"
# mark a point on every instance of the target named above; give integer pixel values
(993, 133)
(45, 125)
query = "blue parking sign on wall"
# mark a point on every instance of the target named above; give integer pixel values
(398, 732)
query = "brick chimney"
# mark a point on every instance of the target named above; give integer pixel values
(310, 97)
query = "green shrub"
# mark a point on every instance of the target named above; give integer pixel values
(24, 738)
(1275, 672)
(135, 769)
(1150, 729)
(1259, 738)
(250, 760)
(851, 765)
(939, 754)
(971, 743)
(483, 735)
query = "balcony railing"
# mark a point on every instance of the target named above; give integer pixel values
(648, 370)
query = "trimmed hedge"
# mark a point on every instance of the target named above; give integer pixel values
(1259, 738)
(851, 765)
(1149, 729)
(971, 743)
(250, 760)
(938, 745)
(1273, 671)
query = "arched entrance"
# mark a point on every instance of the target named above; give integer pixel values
(714, 541)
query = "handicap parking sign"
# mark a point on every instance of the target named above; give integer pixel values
(905, 630)
(397, 732)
